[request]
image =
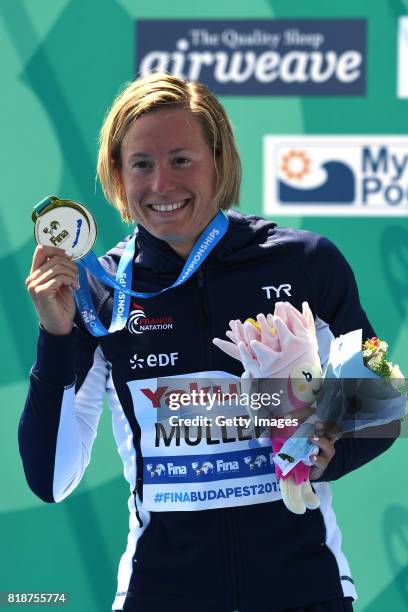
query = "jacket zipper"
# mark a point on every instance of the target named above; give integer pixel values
(230, 526)
(204, 314)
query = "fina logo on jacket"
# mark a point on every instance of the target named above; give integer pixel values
(220, 465)
(138, 322)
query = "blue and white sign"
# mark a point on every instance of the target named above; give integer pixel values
(336, 175)
(205, 466)
(319, 57)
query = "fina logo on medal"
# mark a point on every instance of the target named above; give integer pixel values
(138, 322)
(52, 230)
(65, 224)
(336, 175)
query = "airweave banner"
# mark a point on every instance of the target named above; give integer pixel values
(316, 57)
(336, 175)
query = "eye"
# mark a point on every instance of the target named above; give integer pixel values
(181, 161)
(308, 376)
(142, 164)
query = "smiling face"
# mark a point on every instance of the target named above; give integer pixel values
(168, 175)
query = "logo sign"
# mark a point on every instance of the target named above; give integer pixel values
(159, 360)
(402, 80)
(336, 175)
(138, 322)
(258, 57)
(286, 288)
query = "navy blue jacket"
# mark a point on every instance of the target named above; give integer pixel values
(208, 529)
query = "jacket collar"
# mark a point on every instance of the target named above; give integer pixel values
(158, 256)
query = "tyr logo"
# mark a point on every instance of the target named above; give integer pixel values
(286, 288)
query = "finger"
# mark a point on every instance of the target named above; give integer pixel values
(42, 253)
(319, 429)
(63, 263)
(319, 462)
(328, 429)
(326, 447)
(55, 271)
(52, 287)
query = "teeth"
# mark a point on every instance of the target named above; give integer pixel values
(167, 207)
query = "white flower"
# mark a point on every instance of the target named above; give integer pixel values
(374, 360)
(383, 346)
(396, 377)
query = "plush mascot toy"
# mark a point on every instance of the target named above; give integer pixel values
(284, 346)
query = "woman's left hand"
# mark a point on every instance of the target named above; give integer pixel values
(325, 442)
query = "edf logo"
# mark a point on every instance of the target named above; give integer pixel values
(152, 361)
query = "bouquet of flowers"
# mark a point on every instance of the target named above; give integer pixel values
(374, 358)
(359, 388)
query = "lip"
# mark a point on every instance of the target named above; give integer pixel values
(170, 213)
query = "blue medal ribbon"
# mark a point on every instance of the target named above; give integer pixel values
(122, 282)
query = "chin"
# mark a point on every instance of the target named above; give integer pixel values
(172, 238)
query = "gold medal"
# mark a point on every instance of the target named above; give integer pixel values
(64, 224)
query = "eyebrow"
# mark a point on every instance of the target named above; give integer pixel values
(171, 152)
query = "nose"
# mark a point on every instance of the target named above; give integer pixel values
(163, 180)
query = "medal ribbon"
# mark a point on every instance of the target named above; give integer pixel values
(122, 282)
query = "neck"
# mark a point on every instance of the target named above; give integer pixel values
(183, 250)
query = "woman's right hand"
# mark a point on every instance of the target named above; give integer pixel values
(53, 276)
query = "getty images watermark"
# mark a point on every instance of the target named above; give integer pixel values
(250, 401)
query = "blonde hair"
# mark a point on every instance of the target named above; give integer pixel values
(149, 93)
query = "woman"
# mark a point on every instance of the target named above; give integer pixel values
(207, 530)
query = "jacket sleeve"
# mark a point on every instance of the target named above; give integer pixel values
(334, 289)
(354, 452)
(62, 411)
(337, 301)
